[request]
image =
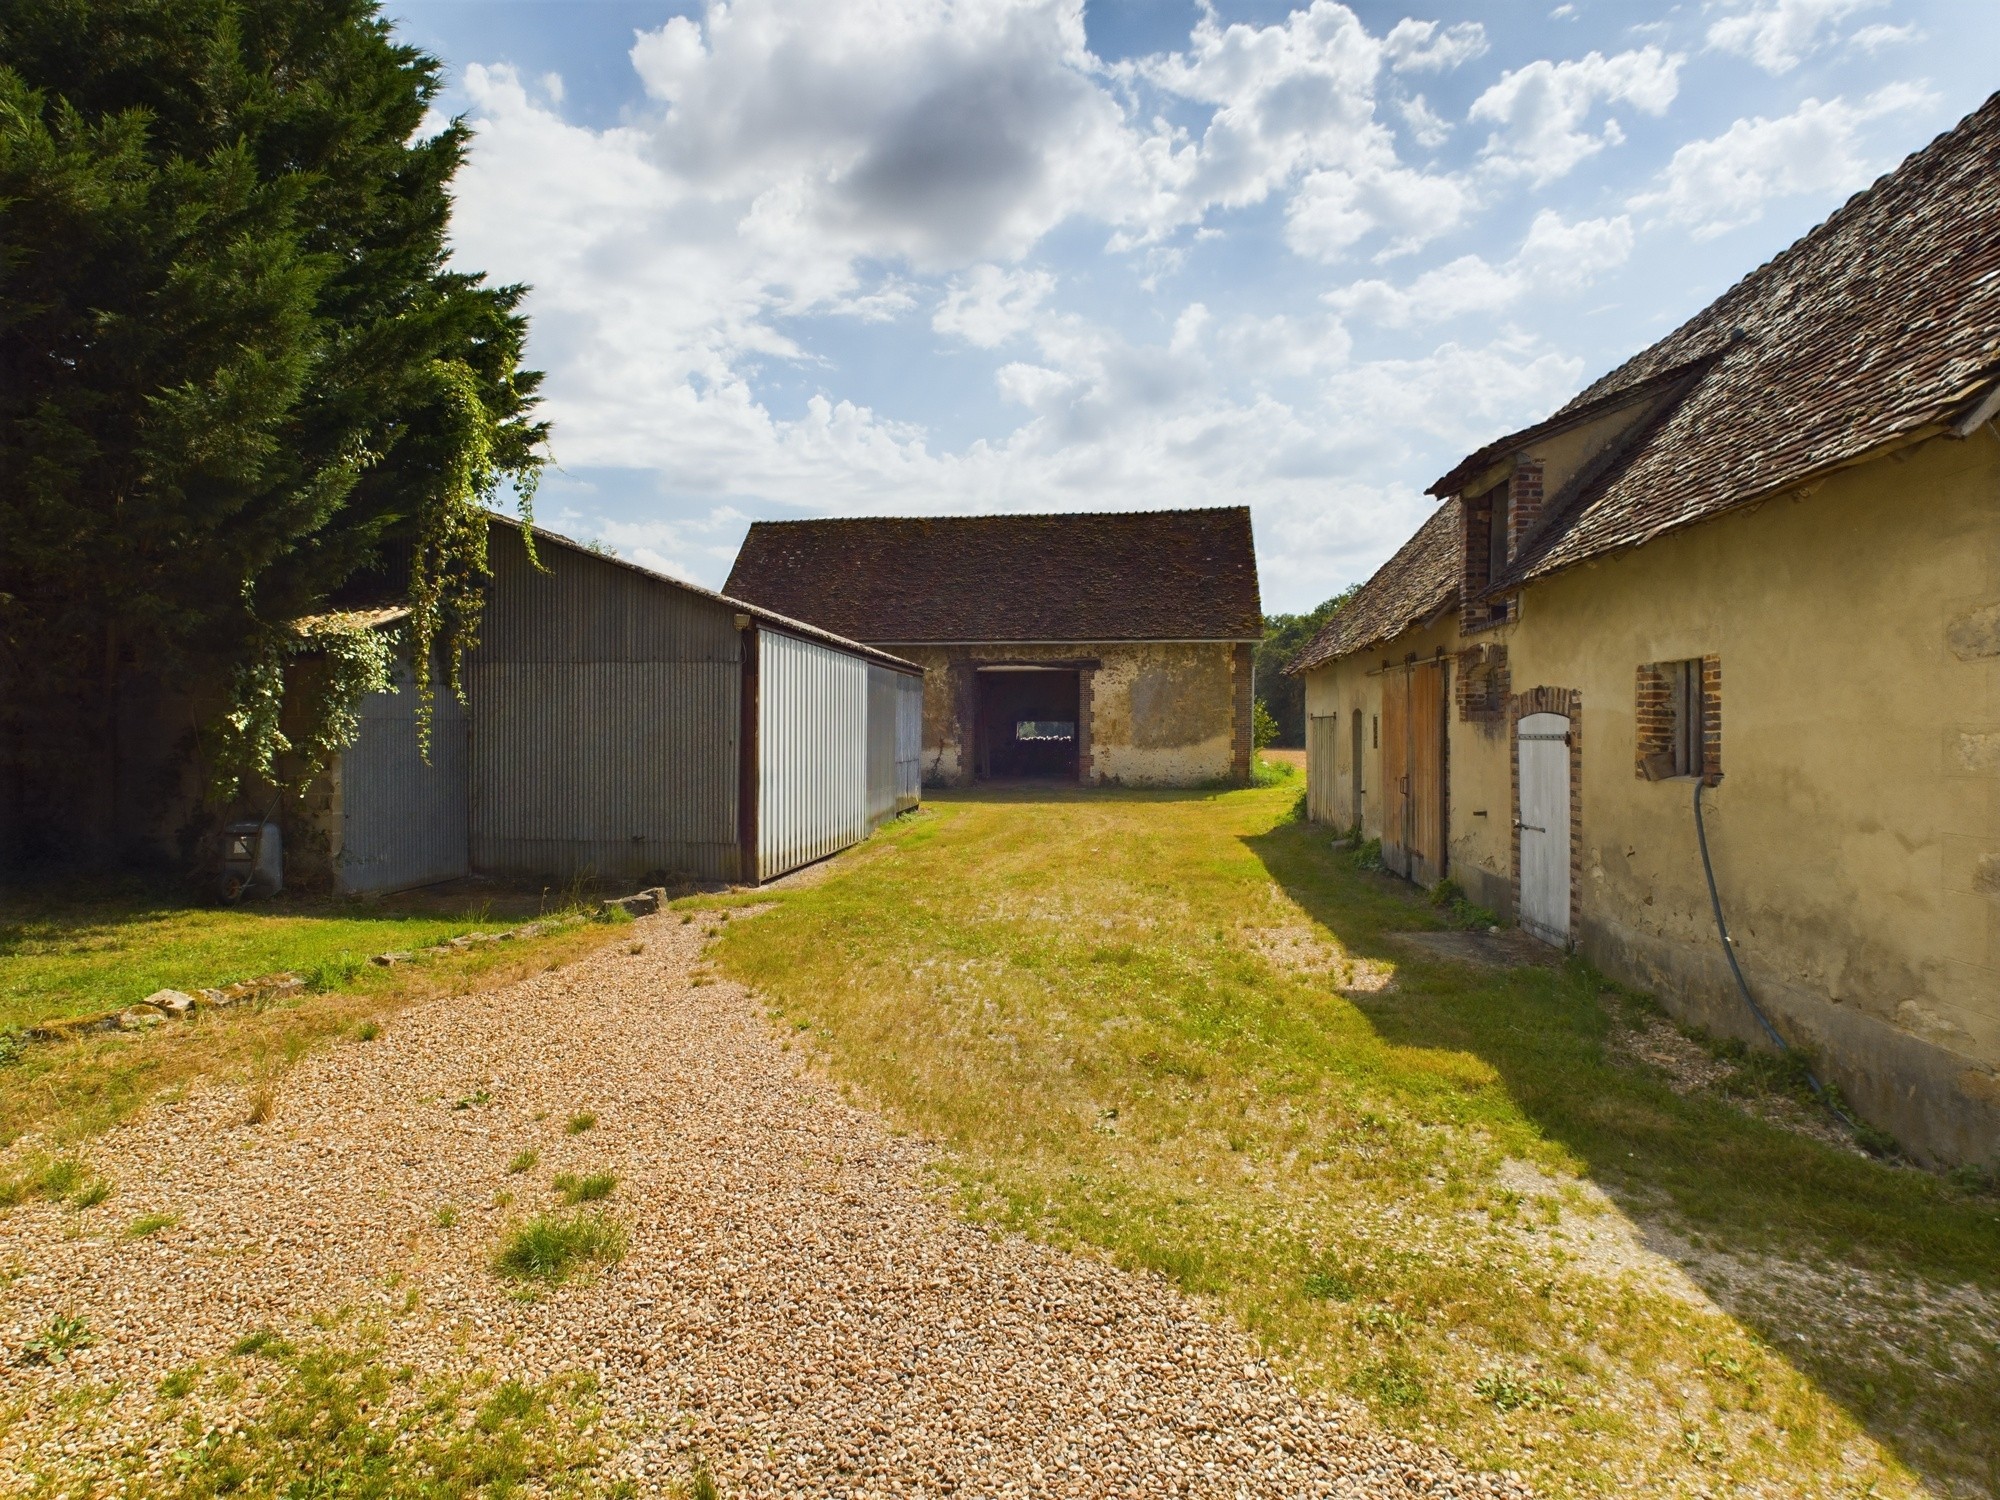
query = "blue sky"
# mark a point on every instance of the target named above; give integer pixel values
(893, 257)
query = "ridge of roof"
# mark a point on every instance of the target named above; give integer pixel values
(1002, 516)
(1420, 582)
(1187, 574)
(1875, 328)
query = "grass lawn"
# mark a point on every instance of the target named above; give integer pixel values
(1178, 1027)
(76, 949)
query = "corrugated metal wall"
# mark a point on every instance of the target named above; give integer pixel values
(605, 709)
(812, 752)
(882, 782)
(909, 740)
(403, 823)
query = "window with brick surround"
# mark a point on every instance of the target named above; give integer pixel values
(1484, 684)
(1679, 719)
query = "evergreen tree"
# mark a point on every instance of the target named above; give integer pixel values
(236, 375)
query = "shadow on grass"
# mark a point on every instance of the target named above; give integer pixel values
(1720, 1191)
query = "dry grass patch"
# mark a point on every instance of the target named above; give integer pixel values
(1442, 1187)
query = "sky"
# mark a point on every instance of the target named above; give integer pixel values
(796, 258)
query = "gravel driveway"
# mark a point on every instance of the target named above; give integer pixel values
(798, 1304)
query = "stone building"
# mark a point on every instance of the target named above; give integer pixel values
(1104, 649)
(1747, 585)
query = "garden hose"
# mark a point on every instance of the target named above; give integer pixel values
(1742, 984)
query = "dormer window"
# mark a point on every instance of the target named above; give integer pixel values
(1496, 532)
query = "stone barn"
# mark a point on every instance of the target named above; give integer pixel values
(1102, 649)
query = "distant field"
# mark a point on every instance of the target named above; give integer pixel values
(1511, 1209)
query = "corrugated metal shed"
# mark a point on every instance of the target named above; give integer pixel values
(618, 730)
(605, 713)
(812, 752)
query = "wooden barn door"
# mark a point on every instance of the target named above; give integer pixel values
(1427, 729)
(1413, 771)
(1321, 739)
(1396, 769)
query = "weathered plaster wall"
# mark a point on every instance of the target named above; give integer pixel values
(1856, 830)
(1156, 714)
(1478, 822)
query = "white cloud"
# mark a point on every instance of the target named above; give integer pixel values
(1428, 46)
(798, 168)
(1778, 35)
(1723, 182)
(989, 305)
(1539, 112)
(1332, 210)
(1556, 256)
(1428, 128)
(1872, 39)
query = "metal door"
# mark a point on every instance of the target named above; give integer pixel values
(403, 820)
(1542, 746)
(1396, 769)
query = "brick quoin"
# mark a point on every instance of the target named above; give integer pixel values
(1524, 504)
(1483, 684)
(1569, 703)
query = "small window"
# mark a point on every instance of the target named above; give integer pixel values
(1678, 719)
(1374, 733)
(1496, 536)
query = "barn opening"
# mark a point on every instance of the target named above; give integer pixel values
(1028, 722)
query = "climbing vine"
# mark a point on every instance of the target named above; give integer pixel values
(328, 664)
(449, 559)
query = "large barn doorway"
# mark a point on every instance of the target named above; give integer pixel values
(1028, 722)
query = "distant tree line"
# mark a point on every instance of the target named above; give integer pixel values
(1284, 698)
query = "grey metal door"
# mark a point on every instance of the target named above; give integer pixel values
(403, 822)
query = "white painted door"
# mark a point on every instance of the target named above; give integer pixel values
(1543, 746)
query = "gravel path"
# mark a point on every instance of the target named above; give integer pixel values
(797, 1305)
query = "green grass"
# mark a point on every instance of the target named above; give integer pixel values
(328, 1420)
(579, 1123)
(1141, 1022)
(591, 1189)
(147, 1225)
(524, 1161)
(75, 948)
(553, 1248)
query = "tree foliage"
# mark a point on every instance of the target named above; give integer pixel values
(238, 378)
(1284, 637)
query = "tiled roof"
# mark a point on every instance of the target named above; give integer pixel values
(1879, 324)
(1128, 576)
(1414, 585)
